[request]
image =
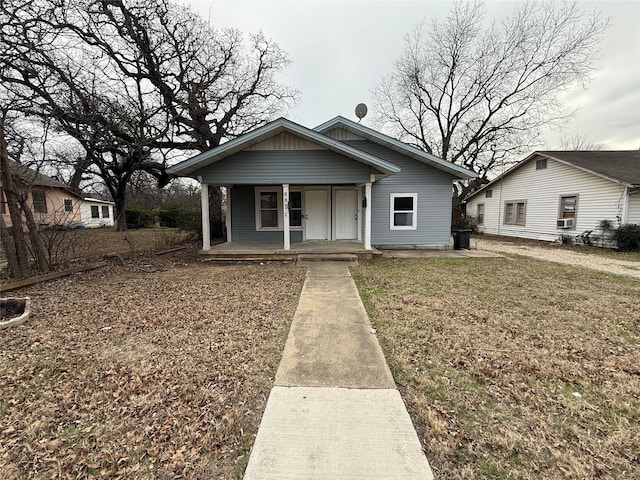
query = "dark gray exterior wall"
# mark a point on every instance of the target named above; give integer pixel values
(275, 167)
(433, 187)
(243, 219)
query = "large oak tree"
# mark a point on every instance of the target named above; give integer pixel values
(479, 94)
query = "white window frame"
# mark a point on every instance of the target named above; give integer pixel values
(67, 204)
(97, 211)
(414, 212)
(480, 216)
(278, 190)
(297, 227)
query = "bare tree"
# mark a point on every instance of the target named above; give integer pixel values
(479, 94)
(126, 79)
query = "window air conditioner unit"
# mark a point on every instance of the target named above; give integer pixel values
(565, 222)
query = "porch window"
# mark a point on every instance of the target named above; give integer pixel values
(403, 210)
(95, 212)
(105, 211)
(68, 205)
(268, 205)
(39, 201)
(295, 209)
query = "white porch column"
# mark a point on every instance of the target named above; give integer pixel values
(367, 216)
(285, 210)
(206, 228)
(624, 214)
(228, 218)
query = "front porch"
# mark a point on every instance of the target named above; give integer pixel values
(245, 251)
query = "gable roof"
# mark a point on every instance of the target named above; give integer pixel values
(620, 166)
(358, 129)
(191, 165)
(29, 176)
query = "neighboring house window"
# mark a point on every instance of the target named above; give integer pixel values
(39, 201)
(95, 212)
(515, 212)
(488, 194)
(568, 206)
(3, 201)
(541, 164)
(68, 205)
(480, 213)
(295, 209)
(403, 211)
(105, 211)
(267, 205)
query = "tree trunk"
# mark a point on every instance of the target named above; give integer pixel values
(9, 250)
(10, 194)
(120, 200)
(39, 252)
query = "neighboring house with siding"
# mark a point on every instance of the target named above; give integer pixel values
(286, 183)
(51, 201)
(555, 193)
(97, 213)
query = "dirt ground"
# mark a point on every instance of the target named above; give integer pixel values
(158, 368)
(554, 253)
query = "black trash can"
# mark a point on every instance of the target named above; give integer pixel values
(461, 238)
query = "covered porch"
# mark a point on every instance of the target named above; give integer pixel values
(244, 251)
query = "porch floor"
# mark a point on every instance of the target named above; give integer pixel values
(275, 251)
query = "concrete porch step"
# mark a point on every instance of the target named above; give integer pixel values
(327, 257)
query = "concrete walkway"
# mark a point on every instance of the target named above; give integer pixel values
(334, 412)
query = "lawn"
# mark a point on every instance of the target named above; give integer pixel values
(513, 368)
(157, 368)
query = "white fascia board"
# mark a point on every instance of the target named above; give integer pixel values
(427, 158)
(278, 126)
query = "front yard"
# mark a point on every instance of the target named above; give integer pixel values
(513, 367)
(158, 368)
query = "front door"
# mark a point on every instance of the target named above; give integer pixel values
(346, 214)
(316, 214)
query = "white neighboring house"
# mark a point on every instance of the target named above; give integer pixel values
(555, 193)
(96, 213)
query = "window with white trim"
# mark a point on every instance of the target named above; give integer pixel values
(268, 201)
(403, 209)
(39, 201)
(269, 208)
(295, 208)
(105, 211)
(95, 213)
(480, 214)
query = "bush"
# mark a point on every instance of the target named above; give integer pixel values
(627, 237)
(139, 217)
(466, 222)
(186, 219)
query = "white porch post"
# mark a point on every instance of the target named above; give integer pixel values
(228, 218)
(285, 210)
(624, 214)
(367, 216)
(206, 228)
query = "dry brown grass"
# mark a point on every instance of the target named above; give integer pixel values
(513, 368)
(121, 373)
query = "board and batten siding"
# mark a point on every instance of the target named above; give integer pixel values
(275, 167)
(433, 188)
(598, 199)
(243, 219)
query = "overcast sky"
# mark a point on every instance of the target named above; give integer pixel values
(341, 49)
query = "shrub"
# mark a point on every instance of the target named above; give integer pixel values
(466, 222)
(138, 217)
(627, 237)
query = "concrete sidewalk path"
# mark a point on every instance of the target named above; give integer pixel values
(334, 412)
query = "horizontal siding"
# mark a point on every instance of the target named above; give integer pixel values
(243, 219)
(433, 187)
(302, 167)
(633, 212)
(342, 134)
(598, 199)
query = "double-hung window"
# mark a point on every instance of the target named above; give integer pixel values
(480, 213)
(515, 212)
(39, 201)
(404, 210)
(95, 212)
(269, 208)
(295, 208)
(105, 211)
(68, 205)
(268, 202)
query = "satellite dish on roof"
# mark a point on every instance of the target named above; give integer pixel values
(361, 111)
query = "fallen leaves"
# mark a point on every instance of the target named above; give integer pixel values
(161, 374)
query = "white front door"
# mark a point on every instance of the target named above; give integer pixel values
(316, 214)
(346, 214)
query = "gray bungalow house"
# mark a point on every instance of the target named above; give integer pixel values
(340, 181)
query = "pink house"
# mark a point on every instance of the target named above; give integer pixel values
(51, 201)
